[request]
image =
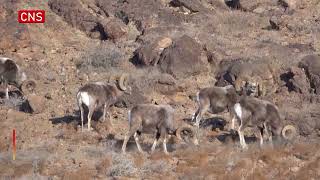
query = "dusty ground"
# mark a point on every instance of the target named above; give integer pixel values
(64, 53)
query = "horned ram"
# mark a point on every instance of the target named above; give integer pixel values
(215, 100)
(100, 94)
(155, 119)
(11, 74)
(263, 116)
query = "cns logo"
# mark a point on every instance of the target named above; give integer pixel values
(31, 16)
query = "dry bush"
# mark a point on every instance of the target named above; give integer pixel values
(103, 57)
(122, 165)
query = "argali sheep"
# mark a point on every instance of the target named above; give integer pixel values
(262, 115)
(250, 77)
(100, 94)
(215, 100)
(11, 74)
(155, 119)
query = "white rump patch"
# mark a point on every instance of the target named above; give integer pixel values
(3, 59)
(238, 110)
(84, 97)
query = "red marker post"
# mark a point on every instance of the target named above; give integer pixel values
(14, 144)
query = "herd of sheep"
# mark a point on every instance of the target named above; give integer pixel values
(159, 120)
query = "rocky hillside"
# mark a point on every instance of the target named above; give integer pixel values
(170, 49)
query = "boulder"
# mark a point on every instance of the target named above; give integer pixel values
(275, 22)
(165, 84)
(36, 103)
(311, 65)
(145, 14)
(184, 58)
(146, 55)
(149, 54)
(114, 29)
(299, 81)
(291, 4)
(234, 4)
(96, 27)
(190, 5)
(74, 14)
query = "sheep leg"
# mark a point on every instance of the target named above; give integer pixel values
(261, 135)
(81, 114)
(104, 112)
(269, 135)
(90, 113)
(242, 140)
(241, 136)
(127, 137)
(233, 121)
(163, 136)
(193, 118)
(125, 141)
(124, 145)
(155, 143)
(89, 119)
(165, 145)
(137, 142)
(202, 110)
(7, 90)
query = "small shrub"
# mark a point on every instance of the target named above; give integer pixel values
(122, 165)
(101, 58)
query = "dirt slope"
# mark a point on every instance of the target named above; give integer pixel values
(91, 40)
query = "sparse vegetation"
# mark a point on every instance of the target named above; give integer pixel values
(122, 165)
(104, 57)
(84, 41)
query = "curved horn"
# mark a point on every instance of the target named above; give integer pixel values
(28, 86)
(122, 80)
(291, 128)
(184, 128)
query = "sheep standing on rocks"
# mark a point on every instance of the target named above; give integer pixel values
(215, 100)
(99, 94)
(156, 119)
(11, 74)
(262, 115)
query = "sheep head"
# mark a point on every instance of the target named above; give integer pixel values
(122, 83)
